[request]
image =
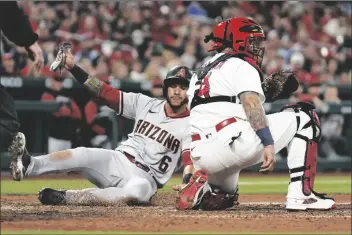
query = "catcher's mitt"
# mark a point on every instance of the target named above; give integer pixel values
(60, 60)
(279, 85)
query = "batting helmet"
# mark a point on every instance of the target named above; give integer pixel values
(177, 75)
(240, 34)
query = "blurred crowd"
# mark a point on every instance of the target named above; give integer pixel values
(142, 40)
(138, 41)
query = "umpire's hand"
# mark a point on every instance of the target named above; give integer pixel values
(35, 53)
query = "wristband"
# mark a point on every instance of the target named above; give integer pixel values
(80, 75)
(265, 135)
(186, 178)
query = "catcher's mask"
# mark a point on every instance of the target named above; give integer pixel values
(177, 75)
(240, 34)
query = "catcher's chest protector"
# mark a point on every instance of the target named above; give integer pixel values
(203, 71)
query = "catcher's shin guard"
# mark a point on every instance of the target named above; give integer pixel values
(302, 160)
(308, 169)
(309, 132)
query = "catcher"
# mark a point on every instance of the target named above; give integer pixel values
(230, 130)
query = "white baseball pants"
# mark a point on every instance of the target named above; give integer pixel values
(224, 157)
(114, 175)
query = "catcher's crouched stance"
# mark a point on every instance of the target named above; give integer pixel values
(278, 84)
(140, 165)
(230, 130)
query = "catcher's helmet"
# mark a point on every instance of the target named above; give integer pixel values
(240, 34)
(177, 75)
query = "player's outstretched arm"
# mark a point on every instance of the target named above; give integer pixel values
(188, 170)
(98, 88)
(256, 116)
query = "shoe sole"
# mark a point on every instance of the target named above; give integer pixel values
(300, 207)
(186, 197)
(16, 161)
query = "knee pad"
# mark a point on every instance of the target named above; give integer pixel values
(311, 148)
(314, 121)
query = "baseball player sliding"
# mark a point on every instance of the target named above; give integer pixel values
(230, 130)
(141, 164)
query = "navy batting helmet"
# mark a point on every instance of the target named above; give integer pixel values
(177, 75)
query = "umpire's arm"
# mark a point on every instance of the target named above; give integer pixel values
(15, 24)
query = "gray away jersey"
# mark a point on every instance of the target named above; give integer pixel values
(156, 140)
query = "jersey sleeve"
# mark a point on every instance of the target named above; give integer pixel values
(245, 78)
(132, 103)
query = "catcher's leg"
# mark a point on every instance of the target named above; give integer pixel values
(302, 161)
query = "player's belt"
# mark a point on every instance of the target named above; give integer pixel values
(143, 167)
(138, 164)
(218, 127)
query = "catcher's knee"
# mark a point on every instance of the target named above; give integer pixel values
(306, 117)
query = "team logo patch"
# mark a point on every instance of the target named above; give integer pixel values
(309, 201)
(181, 73)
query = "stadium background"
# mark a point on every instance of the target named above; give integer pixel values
(131, 45)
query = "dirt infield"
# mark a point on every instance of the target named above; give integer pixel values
(254, 214)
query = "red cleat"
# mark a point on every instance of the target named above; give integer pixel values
(188, 195)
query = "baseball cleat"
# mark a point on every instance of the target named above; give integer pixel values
(188, 195)
(17, 150)
(315, 201)
(48, 196)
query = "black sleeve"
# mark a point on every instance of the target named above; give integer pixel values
(15, 24)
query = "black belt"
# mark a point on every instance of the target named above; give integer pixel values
(143, 167)
(199, 100)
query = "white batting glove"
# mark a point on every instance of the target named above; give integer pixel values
(60, 60)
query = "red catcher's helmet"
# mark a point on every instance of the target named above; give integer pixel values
(240, 34)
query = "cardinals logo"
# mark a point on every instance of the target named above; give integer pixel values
(181, 73)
